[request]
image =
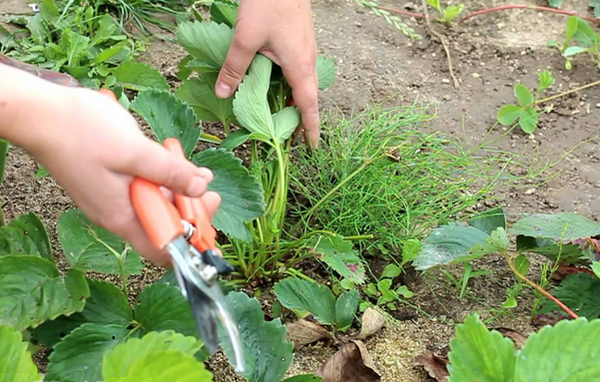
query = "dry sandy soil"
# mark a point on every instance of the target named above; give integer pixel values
(377, 63)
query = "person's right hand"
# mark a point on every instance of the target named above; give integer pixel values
(94, 148)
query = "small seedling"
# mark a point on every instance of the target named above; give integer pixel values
(580, 38)
(383, 290)
(525, 113)
(448, 14)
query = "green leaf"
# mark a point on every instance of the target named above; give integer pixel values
(410, 250)
(480, 355)
(250, 104)
(241, 194)
(206, 41)
(32, 291)
(568, 351)
(304, 295)
(488, 221)
(566, 253)
(139, 77)
(453, 11)
(25, 235)
(168, 117)
(163, 307)
(52, 332)
(16, 364)
(164, 366)
(223, 13)
(267, 353)
(586, 35)
(340, 255)
(580, 292)
(524, 95)
(304, 378)
(596, 268)
(118, 361)
(345, 309)
(78, 357)
(528, 120)
(545, 80)
(574, 50)
(449, 244)
(286, 121)
(89, 247)
(200, 95)
(563, 226)
(522, 264)
(235, 139)
(326, 71)
(508, 114)
(555, 3)
(404, 291)
(391, 270)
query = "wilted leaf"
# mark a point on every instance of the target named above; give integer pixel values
(25, 235)
(267, 353)
(16, 364)
(517, 337)
(242, 197)
(304, 332)
(568, 351)
(200, 95)
(340, 255)
(563, 226)
(138, 76)
(326, 71)
(372, 322)
(304, 295)
(168, 117)
(352, 363)
(89, 247)
(480, 355)
(32, 291)
(436, 366)
(580, 292)
(208, 42)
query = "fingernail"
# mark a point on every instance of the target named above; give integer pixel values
(223, 90)
(197, 186)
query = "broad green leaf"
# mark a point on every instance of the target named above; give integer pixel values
(452, 11)
(522, 264)
(267, 353)
(580, 292)
(565, 253)
(568, 351)
(345, 309)
(285, 122)
(410, 250)
(435, 4)
(585, 34)
(78, 357)
(304, 378)
(200, 95)
(564, 226)
(90, 247)
(250, 104)
(206, 41)
(139, 77)
(555, 3)
(480, 355)
(118, 361)
(32, 291)
(304, 295)
(223, 13)
(49, 11)
(449, 244)
(25, 235)
(497, 242)
(52, 332)
(528, 120)
(164, 366)
(404, 291)
(106, 28)
(391, 270)
(242, 197)
(508, 114)
(326, 71)
(571, 29)
(488, 221)
(596, 268)
(524, 95)
(545, 80)
(16, 364)
(235, 139)
(340, 256)
(168, 117)
(573, 50)
(163, 307)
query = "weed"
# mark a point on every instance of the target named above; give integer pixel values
(580, 38)
(389, 18)
(447, 14)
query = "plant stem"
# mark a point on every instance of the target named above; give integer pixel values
(537, 287)
(4, 145)
(123, 275)
(567, 92)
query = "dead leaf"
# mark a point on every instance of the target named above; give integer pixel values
(551, 319)
(565, 270)
(372, 322)
(435, 365)
(304, 332)
(352, 363)
(516, 337)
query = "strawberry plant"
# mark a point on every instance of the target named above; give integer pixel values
(580, 38)
(447, 14)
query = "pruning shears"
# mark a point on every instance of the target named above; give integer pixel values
(184, 229)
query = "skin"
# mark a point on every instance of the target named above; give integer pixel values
(283, 31)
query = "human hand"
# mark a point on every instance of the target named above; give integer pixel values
(94, 148)
(283, 31)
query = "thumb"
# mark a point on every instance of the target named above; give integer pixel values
(162, 167)
(236, 64)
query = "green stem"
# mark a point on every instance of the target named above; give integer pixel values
(4, 145)
(123, 276)
(559, 95)
(225, 126)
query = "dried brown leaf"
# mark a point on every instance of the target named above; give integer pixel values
(352, 363)
(304, 332)
(435, 365)
(516, 337)
(372, 322)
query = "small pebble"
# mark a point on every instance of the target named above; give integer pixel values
(476, 75)
(598, 105)
(445, 81)
(530, 191)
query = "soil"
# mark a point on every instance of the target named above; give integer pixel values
(377, 63)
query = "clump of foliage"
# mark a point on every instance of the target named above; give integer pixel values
(594, 4)
(525, 114)
(447, 14)
(580, 38)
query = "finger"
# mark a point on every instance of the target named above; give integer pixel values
(239, 57)
(135, 235)
(211, 201)
(158, 165)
